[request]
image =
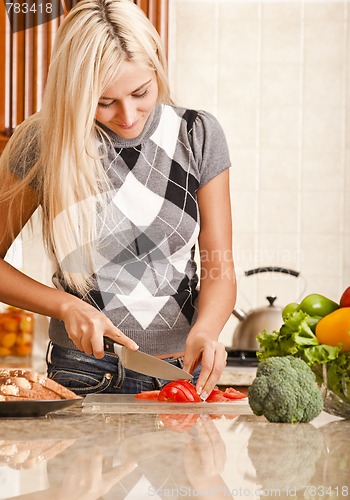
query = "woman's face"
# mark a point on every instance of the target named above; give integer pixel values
(128, 102)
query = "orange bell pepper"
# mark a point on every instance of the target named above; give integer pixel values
(334, 329)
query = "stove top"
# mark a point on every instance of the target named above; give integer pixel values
(241, 358)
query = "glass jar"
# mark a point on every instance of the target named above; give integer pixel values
(16, 332)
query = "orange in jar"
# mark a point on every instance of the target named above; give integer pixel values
(10, 324)
(23, 350)
(16, 332)
(8, 339)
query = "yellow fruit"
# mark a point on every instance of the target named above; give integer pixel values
(10, 325)
(23, 350)
(5, 352)
(8, 340)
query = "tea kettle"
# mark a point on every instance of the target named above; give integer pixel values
(268, 317)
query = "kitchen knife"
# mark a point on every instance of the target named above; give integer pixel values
(144, 363)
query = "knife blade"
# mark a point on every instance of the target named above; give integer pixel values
(145, 363)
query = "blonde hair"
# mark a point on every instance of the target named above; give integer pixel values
(95, 38)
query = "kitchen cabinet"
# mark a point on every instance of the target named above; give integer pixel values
(25, 57)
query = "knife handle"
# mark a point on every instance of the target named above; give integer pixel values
(108, 345)
(111, 347)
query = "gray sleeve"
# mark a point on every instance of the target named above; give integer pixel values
(209, 147)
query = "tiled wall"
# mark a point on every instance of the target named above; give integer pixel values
(276, 75)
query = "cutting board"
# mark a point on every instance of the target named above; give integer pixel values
(127, 403)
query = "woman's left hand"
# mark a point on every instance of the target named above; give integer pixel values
(212, 355)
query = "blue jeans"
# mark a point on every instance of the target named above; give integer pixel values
(84, 374)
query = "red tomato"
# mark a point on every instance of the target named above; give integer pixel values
(182, 391)
(232, 393)
(179, 391)
(217, 396)
(345, 298)
(148, 395)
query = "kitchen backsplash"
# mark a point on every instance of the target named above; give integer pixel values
(276, 75)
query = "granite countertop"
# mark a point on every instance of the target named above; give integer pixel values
(79, 454)
(109, 452)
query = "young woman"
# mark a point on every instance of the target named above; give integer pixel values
(127, 183)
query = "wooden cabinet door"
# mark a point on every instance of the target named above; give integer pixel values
(25, 57)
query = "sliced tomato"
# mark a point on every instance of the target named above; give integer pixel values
(232, 393)
(218, 396)
(182, 391)
(153, 395)
(179, 391)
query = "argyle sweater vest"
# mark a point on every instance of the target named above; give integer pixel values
(146, 281)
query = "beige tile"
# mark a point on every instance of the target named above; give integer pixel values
(275, 250)
(278, 212)
(321, 254)
(321, 213)
(322, 128)
(193, 43)
(244, 252)
(279, 170)
(325, 11)
(243, 211)
(195, 86)
(36, 262)
(240, 11)
(238, 84)
(239, 123)
(346, 214)
(281, 33)
(347, 173)
(328, 285)
(323, 83)
(324, 41)
(279, 127)
(226, 334)
(281, 11)
(347, 125)
(346, 253)
(280, 85)
(244, 169)
(322, 170)
(238, 36)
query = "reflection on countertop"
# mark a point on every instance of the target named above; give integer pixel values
(71, 454)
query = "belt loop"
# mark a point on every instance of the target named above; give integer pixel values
(49, 351)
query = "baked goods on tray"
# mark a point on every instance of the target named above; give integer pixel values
(19, 384)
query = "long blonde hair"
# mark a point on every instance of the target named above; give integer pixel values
(95, 38)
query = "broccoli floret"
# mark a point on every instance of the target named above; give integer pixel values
(285, 390)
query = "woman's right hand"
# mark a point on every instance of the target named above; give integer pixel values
(86, 327)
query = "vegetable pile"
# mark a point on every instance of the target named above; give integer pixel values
(318, 331)
(182, 391)
(285, 390)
